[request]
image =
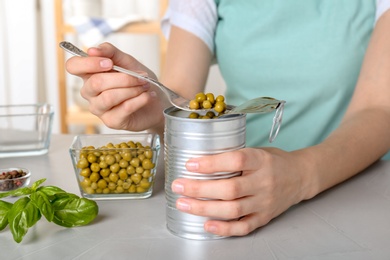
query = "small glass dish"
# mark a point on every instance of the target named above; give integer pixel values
(14, 178)
(115, 166)
(25, 130)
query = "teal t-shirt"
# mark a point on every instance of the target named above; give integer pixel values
(308, 53)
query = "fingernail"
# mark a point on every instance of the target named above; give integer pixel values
(96, 48)
(153, 94)
(182, 205)
(177, 187)
(211, 228)
(107, 63)
(146, 86)
(193, 166)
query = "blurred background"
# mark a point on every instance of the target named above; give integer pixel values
(32, 65)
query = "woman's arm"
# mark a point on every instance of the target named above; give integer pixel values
(188, 63)
(273, 180)
(364, 134)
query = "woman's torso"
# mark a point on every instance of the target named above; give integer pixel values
(308, 53)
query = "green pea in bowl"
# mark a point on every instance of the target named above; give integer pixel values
(115, 166)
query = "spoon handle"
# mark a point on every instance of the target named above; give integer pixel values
(72, 49)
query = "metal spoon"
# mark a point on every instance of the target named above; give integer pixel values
(257, 105)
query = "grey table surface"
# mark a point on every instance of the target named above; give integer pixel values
(349, 221)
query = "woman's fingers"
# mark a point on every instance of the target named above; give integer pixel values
(239, 227)
(80, 66)
(101, 59)
(117, 56)
(230, 218)
(126, 114)
(246, 161)
(108, 90)
(239, 160)
(98, 83)
(231, 209)
(223, 189)
(121, 101)
(111, 98)
(239, 205)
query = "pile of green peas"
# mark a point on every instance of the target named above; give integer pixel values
(207, 101)
(208, 115)
(122, 168)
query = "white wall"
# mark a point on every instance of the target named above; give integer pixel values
(28, 50)
(18, 60)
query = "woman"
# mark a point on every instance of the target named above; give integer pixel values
(330, 60)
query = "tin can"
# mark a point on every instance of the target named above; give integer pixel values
(186, 138)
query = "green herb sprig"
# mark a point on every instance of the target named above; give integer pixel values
(56, 205)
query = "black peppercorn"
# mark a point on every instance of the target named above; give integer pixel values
(11, 180)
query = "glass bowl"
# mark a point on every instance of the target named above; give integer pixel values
(25, 129)
(115, 166)
(14, 178)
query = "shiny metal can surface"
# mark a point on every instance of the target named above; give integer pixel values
(186, 138)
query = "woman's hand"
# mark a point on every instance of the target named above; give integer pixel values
(119, 100)
(268, 186)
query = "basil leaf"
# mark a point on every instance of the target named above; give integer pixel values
(66, 195)
(21, 192)
(42, 202)
(51, 191)
(72, 211)
(4, 209)
(5, 194)
(35, 185)
(22, 215)
(17, 192)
